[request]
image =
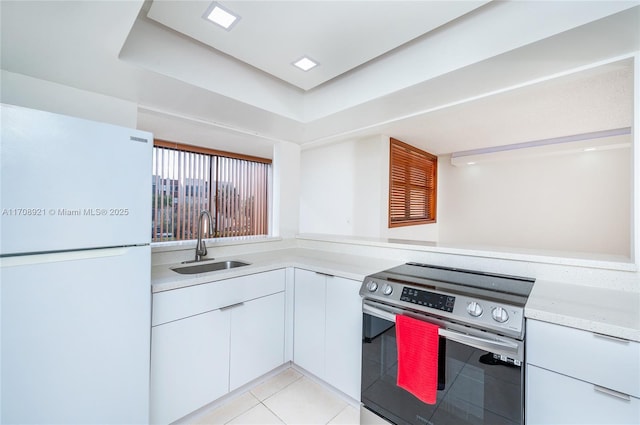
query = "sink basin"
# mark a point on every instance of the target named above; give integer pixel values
(209, 267)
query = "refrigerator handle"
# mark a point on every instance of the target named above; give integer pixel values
(52, 257)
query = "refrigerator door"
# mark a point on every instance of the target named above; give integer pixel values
(76, 337)
(69, 183)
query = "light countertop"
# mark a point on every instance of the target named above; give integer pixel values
(605, 311)
(347, 266)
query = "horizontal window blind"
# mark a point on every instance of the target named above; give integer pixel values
(186, 181)
(412, 185)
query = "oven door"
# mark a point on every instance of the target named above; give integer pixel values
(483, 374)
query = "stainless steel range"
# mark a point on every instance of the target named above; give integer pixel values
(480, 320)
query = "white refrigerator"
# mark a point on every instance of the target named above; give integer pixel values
(75, 295)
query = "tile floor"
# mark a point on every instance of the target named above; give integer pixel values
(287, 398)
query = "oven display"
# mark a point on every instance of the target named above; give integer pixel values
(428, 299)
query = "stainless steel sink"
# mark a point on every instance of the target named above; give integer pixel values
(209, 267)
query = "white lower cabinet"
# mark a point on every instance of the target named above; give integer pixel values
(189, 364)
(309, 321)
(554, 398)
(579, 377)
(328, 329)
(210, 339)
(257, 338)
(343, 336)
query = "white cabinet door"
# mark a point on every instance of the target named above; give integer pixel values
(189, 364)
(553, 398)
(343, 336)
(328, 329)
(257, 338)
(309, 321)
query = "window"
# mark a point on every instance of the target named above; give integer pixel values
(412, 185)
(188, 179)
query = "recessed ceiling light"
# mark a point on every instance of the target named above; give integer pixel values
(221, 16)
(305, 63)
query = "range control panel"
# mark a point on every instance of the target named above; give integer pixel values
(428, 299)
(486, 314)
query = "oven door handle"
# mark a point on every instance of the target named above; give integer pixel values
(493, 345)
(378, 312)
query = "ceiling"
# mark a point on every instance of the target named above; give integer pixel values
(271, 35)
(444, 76)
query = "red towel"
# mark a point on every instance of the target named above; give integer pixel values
(417, 357)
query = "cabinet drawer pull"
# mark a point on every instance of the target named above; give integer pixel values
(229, 307)
(325, 274)
(612, 393)
(612, 338)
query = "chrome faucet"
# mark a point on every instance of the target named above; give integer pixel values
(201, 248)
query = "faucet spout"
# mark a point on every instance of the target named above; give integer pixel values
(201, 247)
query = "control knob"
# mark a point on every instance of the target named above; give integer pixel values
(500, 315)
(372, 286)
(387, 289)
(474, 309)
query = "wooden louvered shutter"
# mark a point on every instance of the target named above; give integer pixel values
(412, 185)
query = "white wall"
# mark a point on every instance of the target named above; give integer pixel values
(569, 202)
(566, 202)
(345, 191)
(286, 189)
(326, 189)
(29, 92)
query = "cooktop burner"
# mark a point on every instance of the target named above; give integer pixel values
(481, 300)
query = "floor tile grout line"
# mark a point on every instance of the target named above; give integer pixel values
(322, 388)
(338, 414)
(283, 388)
(274, 414)
(300, 376)
(245, 411)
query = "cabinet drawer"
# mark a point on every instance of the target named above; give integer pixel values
(553, 398)
(610, 362)
(185, 302)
